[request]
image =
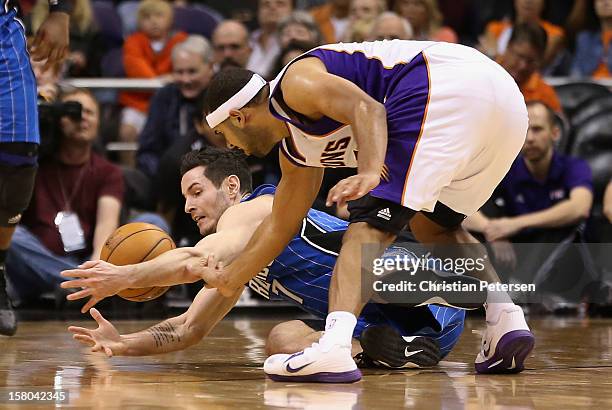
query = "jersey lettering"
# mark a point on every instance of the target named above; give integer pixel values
(278, 287)
(334, 152)
(260, 284)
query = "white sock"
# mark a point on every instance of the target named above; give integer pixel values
(339, 328)
(497, 302)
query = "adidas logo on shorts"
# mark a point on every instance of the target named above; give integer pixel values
(384, 214)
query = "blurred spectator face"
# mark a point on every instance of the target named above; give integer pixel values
(366, 10)
(415, 11)
(390, 28)
(521, 60)
(295, 31)
(86, 130)
(270, 12)
(529, 10)
(231, 44)
(156, 24)
(603, 8)
(541, 135)
(191, 73)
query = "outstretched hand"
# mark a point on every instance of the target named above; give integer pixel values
(105, 339)
(51, 41)
(97, 279)
(351, 188)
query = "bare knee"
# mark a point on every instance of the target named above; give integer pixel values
(289, 337)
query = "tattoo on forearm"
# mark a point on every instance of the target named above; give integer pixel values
(164, 334)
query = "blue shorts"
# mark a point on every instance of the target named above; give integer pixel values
(18, 95)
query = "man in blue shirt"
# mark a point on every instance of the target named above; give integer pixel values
(19, 136)
(544, 195)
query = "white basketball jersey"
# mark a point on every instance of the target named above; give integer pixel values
(371, 66)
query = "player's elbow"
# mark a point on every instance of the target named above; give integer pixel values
(370, 108)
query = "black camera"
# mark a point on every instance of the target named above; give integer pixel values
(49, 114)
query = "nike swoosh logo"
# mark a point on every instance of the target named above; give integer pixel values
(297, 369)
(496, 363)
(408, 354)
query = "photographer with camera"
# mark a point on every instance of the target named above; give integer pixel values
(75, 206)
(19, 136)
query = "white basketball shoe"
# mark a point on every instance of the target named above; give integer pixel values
(505, 344)
(316, 364)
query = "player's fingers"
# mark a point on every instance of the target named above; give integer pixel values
(75, 273)
(96, 348)
(90, 304)
(108, 351)
(84, 339)
(77, 283)
(210, 260)
(95, 313)
(79, 295)
(79, 330)
(54, 58)
(36, 46)
(87, 265)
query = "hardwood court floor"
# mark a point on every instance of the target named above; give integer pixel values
(571, 367)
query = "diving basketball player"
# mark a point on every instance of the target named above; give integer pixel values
(432, 128)
(219, 197)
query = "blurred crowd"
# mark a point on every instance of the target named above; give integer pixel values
(182, 44)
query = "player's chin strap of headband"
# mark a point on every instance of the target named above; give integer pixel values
(237, 101)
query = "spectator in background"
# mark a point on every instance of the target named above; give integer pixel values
(498, 33)
(146, 54)
(299, 26)
(294, 49)
(264, 41)
(362, 14)
(332, 19)
(173, 106)
(75, 207)
(523, 58)
(230, 42)
(390, 26)
(426, 20)
(86, 44)
(593, 57)
(543, 191)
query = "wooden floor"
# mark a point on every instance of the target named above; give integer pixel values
(571, 367)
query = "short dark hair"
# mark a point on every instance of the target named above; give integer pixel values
(552, 116)
(531, 33)
(228, 82)
(219, 163)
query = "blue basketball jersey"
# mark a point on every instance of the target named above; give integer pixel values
(18, 94)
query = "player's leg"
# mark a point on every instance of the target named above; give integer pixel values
(16, 186)
(293, 336)
(492, 133)
(375, 223)
(19, 139)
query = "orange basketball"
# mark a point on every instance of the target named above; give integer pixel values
(135, 243)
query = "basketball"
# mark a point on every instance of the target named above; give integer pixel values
(135, 243)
